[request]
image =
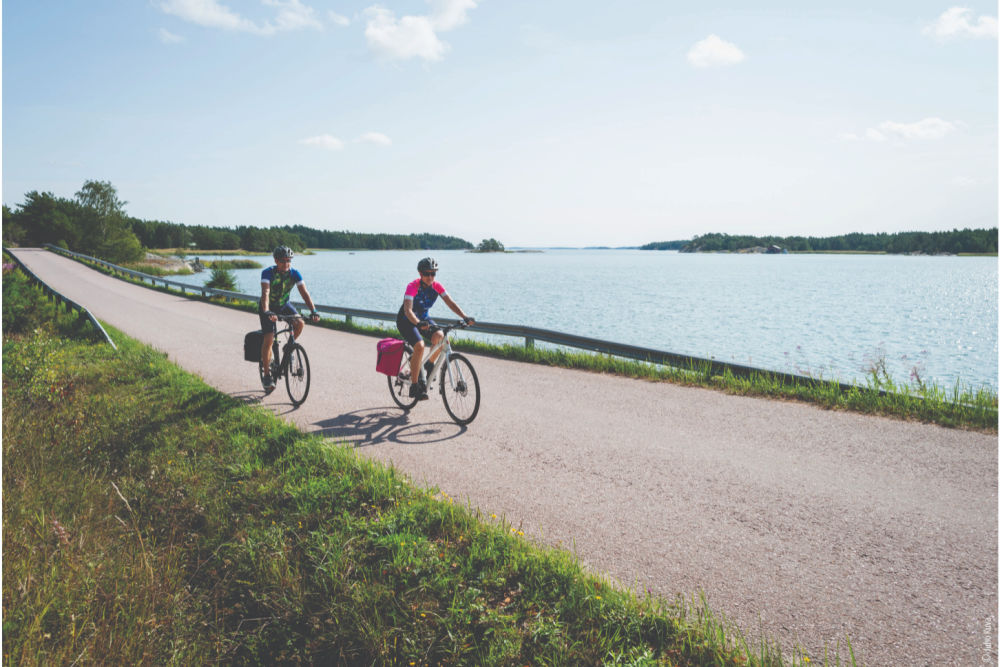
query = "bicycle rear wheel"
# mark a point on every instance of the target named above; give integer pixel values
(399, 385)
(460, 389)
(297, 375)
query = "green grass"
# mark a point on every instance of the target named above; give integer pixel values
(233, 264)
(148, 518)
(154, 270)
(955, 407)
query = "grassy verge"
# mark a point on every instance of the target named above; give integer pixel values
(155, 270)
(149, 519)
(958, 407)
(233, 264)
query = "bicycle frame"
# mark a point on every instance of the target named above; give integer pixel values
(279, 352)
(443, 357)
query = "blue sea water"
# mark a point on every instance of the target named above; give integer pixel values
(834, 316)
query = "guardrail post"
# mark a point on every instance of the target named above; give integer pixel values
(347, 318)
(529, 343)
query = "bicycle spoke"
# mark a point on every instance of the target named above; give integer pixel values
(399, 385)
(297, 374)
(460, 389)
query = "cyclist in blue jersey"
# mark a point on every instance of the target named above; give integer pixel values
(276, 284)
(412, 320)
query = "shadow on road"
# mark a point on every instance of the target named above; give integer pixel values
(248, 397)
(363, 428)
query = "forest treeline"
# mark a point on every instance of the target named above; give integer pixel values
(928, 243)
(94, 222)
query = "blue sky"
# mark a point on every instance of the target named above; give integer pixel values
(537, 123)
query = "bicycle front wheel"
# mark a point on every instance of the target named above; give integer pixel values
(399, 385)
(460, 389)
(297, 375)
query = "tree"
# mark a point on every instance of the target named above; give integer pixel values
(46, 219)
(490, 245)
(222, 278)
(14, 232)
(106, 232)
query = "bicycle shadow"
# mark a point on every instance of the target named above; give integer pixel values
(374, 426)
(249, 397)
(257, 396)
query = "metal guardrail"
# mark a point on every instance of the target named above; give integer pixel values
(69, 303)
(529, 334)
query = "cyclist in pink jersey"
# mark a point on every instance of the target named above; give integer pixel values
(413, 323)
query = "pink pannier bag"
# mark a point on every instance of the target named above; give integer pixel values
(390, 354)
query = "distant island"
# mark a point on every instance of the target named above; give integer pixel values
(964, 241)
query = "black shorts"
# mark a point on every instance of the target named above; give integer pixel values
(267, 326)
(408, 330)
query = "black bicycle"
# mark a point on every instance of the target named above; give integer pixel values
(292, 363)
(459, 383)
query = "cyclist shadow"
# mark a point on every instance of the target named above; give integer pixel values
(364, 428)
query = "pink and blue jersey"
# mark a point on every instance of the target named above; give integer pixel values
(423, 297)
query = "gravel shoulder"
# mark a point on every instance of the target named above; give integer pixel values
(812, 524)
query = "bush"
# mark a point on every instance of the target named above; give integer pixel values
(222, 278)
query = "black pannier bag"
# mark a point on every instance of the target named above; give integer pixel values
(251, 345)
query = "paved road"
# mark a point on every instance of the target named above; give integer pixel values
(814, 524)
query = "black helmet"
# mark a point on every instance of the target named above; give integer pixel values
(427, 264)
(282, 252)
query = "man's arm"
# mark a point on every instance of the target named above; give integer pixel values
(308, 299)
(265, 296)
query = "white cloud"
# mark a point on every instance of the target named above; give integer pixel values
(965, 181)
(289, 15)
(928, 128)
(293, 15)
(414, 36)
(168, 37)
(337, 19)
(871, 134)
(955, 23)
(449, 14)
(376, 138)
(713, 51)
(401, 39)
(324, 141)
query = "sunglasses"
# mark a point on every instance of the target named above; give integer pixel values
(428, 273)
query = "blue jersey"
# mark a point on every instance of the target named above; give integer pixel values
(423, 297)
(281, 285)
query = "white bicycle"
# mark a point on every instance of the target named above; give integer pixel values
(457, 377)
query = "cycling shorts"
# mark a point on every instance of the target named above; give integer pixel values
(269, 327)
(408, 330)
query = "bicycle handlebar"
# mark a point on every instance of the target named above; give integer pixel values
(450, 327)
(289, 318)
